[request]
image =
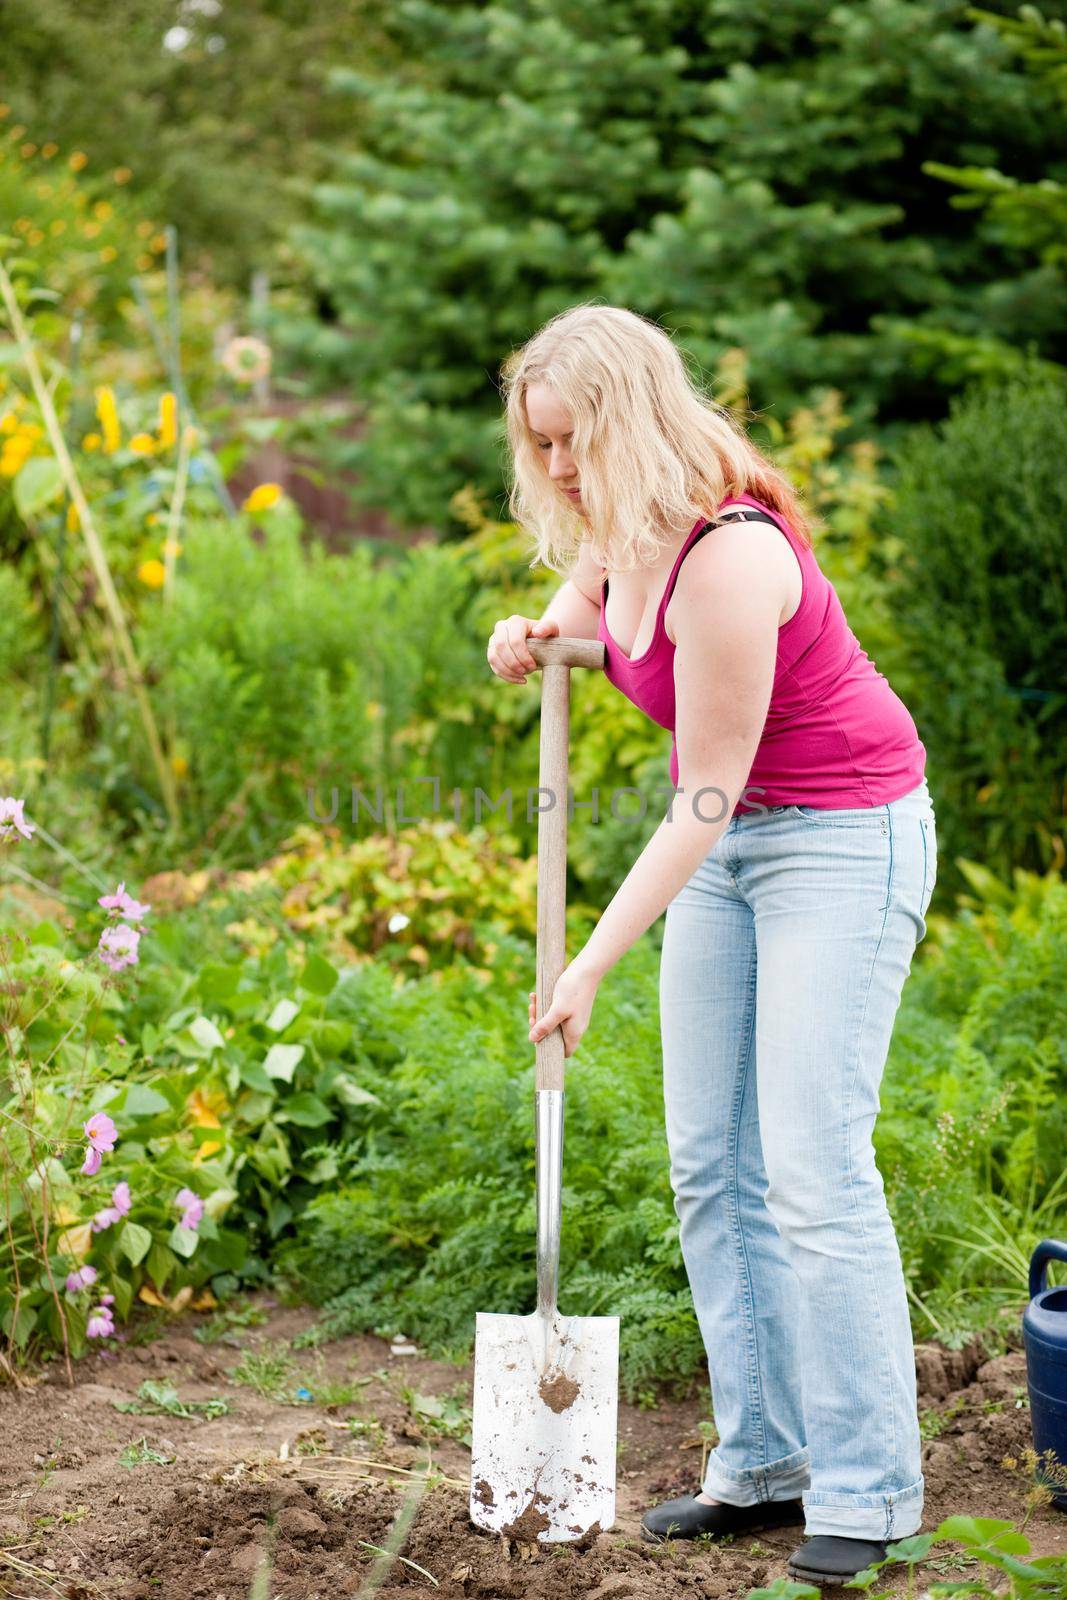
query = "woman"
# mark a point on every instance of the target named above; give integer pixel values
(795, 865)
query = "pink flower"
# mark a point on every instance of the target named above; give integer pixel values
(124, 904)
(101, 1324)
(11, 819)
(91, 1165)
(192, 1208)
(107, 1300)
(80, 1279)
(100, 1131)
(120, 1198)
(118, 946)
(105, 1218)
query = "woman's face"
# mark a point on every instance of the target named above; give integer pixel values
(550, 425)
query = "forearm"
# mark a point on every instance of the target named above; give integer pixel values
(663, 868)
(575, 614)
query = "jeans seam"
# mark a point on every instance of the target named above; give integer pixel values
(849, 1124)
(755, 1391)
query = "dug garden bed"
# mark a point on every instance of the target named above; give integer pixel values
(294, 1460)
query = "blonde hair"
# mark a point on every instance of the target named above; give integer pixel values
(653, 453)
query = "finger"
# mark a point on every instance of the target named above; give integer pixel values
(545, 1026)
(517, 637)
(503, 668)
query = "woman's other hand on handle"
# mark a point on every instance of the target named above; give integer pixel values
(572, 1004)
(508, 654)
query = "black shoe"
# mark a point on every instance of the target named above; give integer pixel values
(831, 1558)
(687, 1518)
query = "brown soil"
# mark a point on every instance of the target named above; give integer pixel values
(271, 1501)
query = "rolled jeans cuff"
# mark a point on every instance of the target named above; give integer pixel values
(895, 1515)
(778, 1480)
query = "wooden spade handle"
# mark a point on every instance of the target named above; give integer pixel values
(555, 657)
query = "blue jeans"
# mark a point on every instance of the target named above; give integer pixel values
(783, 961)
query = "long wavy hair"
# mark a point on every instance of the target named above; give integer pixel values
(653, 453)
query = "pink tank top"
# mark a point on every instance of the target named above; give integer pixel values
(836, 733)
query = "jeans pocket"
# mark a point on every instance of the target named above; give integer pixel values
(843, 816)
(929, 833)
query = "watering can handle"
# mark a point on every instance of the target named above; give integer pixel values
(555, 657)
(1048, 1250)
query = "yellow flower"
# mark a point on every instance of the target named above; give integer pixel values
(77, 161)
(34, 236)
(17, 450)
(58, 225)
(5, 110)
(107, 411)
(104, 209)
(204, 1109)
(27, 150)
(180, 768)
(152, 573)
(142, 444)
(263, 497)
(107, 254)
(8, 422)
(73, 520)
(158, 243)
(171, 547)
(168, 420)
(144, 228)
(49, 150)
(143, 263)
(91, 442)
(122, 174)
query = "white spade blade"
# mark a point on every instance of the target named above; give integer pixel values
(544, 1426)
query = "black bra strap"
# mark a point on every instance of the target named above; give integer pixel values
(747, 514)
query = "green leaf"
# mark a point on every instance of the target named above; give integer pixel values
(160, 1265)
(183, 1241)
(135, 1242)
(38, 482)
(278, 1214)
(318, 977)
(218, 981)
(26, 1319)
(972, 1530)
(206, 1034)
(911, 1549)
(252, 1074)
(142, 1101)
(351, 1093)
(282, 1060)
(282, 1015)
(305, 1109)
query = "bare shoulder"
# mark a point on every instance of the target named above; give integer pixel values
(588, 575)
(738, 561)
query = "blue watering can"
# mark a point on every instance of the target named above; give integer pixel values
(1045, 1338)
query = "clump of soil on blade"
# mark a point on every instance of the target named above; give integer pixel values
(558, 1391)
(285, 1501)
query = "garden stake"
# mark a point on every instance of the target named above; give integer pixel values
(543, 1433)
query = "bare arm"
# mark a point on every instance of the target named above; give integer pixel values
(728, 601)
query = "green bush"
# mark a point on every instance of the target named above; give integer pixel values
(973, 1132)
(980, 596)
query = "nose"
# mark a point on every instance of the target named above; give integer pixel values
(561, 466)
